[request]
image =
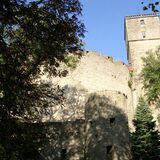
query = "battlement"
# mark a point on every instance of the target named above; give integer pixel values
(107, 58)
(142, 16)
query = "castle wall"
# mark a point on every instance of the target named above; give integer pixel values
(96, 73)
(65, 141)
(107, 133)
(97, 100)
(102, 134)
(70, 108)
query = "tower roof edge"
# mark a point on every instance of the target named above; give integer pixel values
(141, 16)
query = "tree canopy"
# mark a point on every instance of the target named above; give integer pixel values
(145, 138)
(151, 5)
(151, 75)
(32, 34)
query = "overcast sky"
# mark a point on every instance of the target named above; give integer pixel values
(104, 21)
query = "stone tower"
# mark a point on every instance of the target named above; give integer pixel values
(142, 33)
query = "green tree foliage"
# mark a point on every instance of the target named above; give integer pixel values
(71, 61)
(151, 5)
(32, 34)
(24, 140)
(145, 139)
(151, 75)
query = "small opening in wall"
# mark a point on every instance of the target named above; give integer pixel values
(96, 135)
(109, 149)
(90, 121)
(64, 154)
(109, 152)
(144, 34)
(142, 22)
(112, 121)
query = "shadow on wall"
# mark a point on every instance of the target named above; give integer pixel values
(64, 141)
(106, 132)
(65, 104)
(102, 135)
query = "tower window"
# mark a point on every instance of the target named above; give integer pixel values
(112, 121)
(144, 34)
(142, 22)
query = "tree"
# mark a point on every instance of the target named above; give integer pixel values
(151, 75)
(32, 34)
(145, 138)
(152, 5)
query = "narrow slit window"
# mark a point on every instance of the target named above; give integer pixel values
(112, 121)
(144, 34)
(91, 122)
(64, 154)
(109, 152)
(109, 149)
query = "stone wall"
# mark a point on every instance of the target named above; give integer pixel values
(135, 25)
(70, 108)
(98, 100)
(65, 141)
(107, 133)
(96, 73)
(102, 134)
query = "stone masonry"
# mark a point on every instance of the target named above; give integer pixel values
(142, 33)
(101, 99)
